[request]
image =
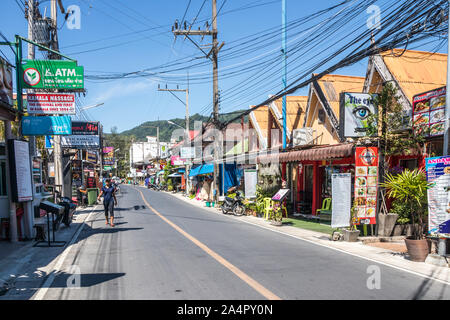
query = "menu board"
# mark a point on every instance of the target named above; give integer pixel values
(366, 184)
(438, 174)
(280, 195)
(20, 168)
(341, 199)
(250, 181)
(429, 112)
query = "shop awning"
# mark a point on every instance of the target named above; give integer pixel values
(314, 154)
(201, 169)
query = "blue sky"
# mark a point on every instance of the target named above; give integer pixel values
(129, 102)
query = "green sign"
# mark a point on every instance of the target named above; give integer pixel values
(52, 74)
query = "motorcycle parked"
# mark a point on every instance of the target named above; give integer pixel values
(234, 205)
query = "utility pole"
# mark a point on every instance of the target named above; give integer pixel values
(284, 49)
(186, 133)
(213, 56)
(28, 206)
(58, 153)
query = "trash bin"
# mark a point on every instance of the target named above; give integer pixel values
(92, 196)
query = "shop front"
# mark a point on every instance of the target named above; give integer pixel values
(311, 171)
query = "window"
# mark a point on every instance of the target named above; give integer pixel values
(321, 116)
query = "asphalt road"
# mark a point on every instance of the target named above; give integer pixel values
(185, 252)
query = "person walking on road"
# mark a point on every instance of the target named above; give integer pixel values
(109, 200)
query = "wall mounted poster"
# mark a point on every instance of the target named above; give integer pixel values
(429, 111)
(438, 174)
(341, 199)
(366, 184)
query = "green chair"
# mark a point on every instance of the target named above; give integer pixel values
(325, 212)
(268, 207)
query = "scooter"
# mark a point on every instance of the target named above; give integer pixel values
(234, 205)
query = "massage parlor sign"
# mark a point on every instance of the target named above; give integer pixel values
(366, 185)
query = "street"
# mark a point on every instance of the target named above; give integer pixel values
(179, 251)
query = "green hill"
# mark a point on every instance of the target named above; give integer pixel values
(165, 129)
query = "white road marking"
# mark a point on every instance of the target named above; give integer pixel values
(325, 246)
(40, 294)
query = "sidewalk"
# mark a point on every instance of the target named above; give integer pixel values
(378, 254)
(24, 268)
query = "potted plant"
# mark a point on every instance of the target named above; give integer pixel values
(276, 216)
(351, 234)
(411, 187)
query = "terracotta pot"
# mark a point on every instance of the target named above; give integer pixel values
(418, 250)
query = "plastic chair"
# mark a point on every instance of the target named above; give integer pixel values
(283, 207)
(326, 206)
(268, 207)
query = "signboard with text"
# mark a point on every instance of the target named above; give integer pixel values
(85, 128)
(429, 112)
(80, 142)
(438, 174)
(52, 74)
(366, 184)
(42, 126)
(51, 103)
(355, 109)
(20, 169)
(341, 189)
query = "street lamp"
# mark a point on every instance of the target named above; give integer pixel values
(94, 106)
(175, 124)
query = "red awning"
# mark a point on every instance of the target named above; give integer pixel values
(314, 154)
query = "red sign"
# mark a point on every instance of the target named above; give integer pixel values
(366, 184)
(51, 103)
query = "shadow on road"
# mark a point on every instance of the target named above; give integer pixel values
(64, 280)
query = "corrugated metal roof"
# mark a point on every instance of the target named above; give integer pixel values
(416, 71)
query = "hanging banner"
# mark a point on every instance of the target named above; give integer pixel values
(80, 142)
(51, 103)
(85, 128)
(42, 126)
(366, 184)
(52, 74)
(355, 108)
(429, 112)
(20, 169)
(438, 174)
(341, 189)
